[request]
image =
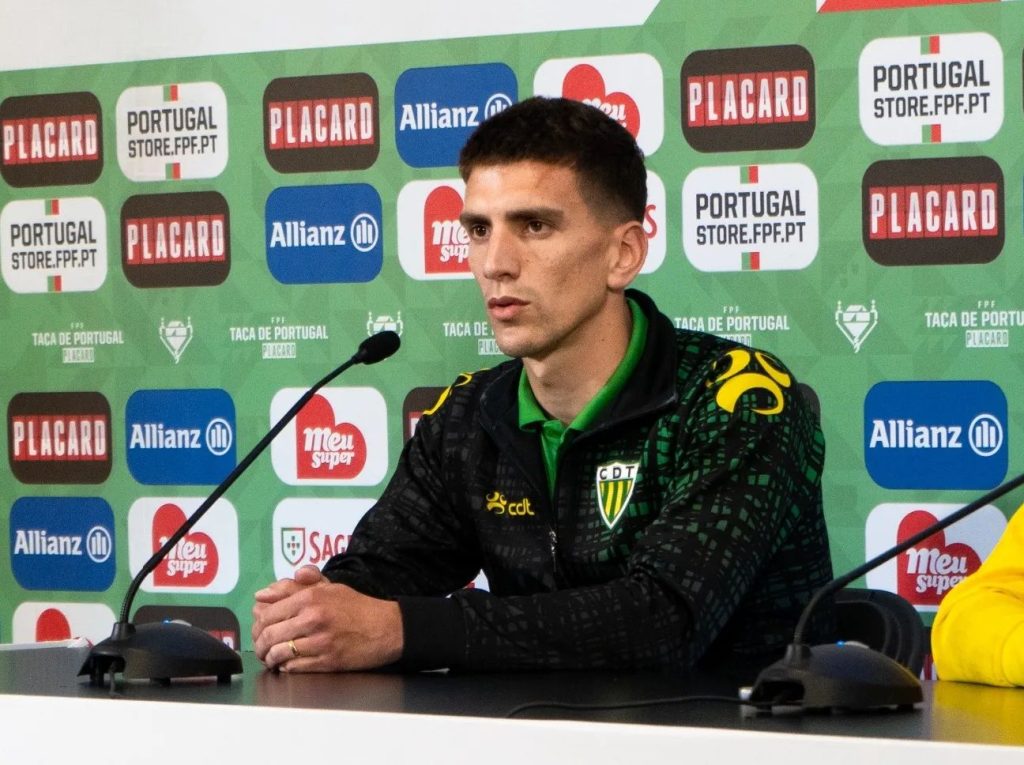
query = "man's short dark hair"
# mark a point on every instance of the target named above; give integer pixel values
(566, 133)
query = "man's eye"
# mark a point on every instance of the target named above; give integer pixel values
(478, 231)
(536, 226)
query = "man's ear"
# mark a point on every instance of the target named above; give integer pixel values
(629, 256)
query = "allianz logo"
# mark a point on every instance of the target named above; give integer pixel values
(984, 435)
(217, 437)
(97, 543)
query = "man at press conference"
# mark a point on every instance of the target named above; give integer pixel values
(637, 496)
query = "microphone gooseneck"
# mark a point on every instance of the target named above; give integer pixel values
(163, 651)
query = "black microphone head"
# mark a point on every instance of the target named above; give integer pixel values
(377, 347)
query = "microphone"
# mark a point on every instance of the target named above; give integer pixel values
(163, 650)
(850, 676)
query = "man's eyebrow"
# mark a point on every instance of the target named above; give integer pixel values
(551, 214)
(468, 219)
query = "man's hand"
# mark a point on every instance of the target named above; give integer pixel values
(309, 624)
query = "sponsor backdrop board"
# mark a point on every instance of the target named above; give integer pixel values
(188, 241)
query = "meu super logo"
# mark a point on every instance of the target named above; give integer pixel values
(748, 98)
(321, 123)
(59, 437)
(51, 140)
(933, 211)
(936, 434)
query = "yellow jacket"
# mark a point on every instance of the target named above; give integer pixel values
(978, 634)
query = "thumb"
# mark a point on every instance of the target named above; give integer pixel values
(308, 575)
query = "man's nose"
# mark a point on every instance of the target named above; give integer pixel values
(501, 254)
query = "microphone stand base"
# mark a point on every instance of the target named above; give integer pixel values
(160, 651)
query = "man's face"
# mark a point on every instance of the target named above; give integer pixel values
(541, 256)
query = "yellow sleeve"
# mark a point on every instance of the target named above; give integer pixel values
(978, 634)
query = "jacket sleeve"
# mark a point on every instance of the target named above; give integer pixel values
(978, 633)
(742, 472)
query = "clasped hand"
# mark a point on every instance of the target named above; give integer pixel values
(310, 624)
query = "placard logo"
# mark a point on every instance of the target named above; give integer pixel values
(934, 89)
(925, 212)
(324, 234)
(926, 572)
(752, 218)
(41, 622)
(628, 88)
(59, 437)
(172, 132)
(53, 245)
(51, 140)
(339, 437)
(437, 108)
(62, 543)
(741, 99)
(312, 531)
(176, 240)
(180, 436)
(321, 123)
(205, 559)
(936, 434)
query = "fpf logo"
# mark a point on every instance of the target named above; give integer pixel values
(437, 108)
(311, 531)
(321, 123)
(748, 98)
(45, 622)
(936, 434)
(59, 437)
(176, 240)
(53, 245)
(927, 212)
(62, 543)
(750, 218)
(625, 87)
(338, 438)
(324, 234)
(180, 436)
(204, 560)
(934, 89)
(51, 140)
(924, 573)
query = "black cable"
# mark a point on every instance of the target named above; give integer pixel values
(624, 705)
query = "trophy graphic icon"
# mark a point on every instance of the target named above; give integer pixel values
(176, 336)
(856, 322)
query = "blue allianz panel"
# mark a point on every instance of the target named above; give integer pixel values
(324, 234)
(936, 435)
(180, 437)
(62, 543)
(437, 108)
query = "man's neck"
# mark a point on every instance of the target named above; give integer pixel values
(564, 382)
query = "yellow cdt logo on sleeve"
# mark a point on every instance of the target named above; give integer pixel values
(746, 371)
(615, 483)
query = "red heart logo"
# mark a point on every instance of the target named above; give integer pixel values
(584, 83)
(190, 563)
(52, 625)
(327, 448)
(926, 572)
(445, 243)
